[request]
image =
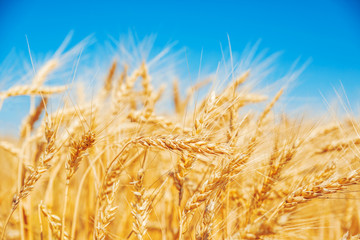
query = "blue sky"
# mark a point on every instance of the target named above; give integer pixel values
(327, 32)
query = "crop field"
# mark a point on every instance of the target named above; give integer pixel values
(222, 162)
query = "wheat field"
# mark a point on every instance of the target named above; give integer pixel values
(218, 165)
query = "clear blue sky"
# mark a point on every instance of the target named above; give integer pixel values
(326, 31)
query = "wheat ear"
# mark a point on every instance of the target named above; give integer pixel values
(180, 143)
(35, 173)
(140, 207)
(77, 151)
(55, 223)
(105, 212)
(28, 124)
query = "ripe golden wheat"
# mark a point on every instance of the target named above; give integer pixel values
(115, 168)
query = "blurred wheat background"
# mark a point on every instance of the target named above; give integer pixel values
(135, 139)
